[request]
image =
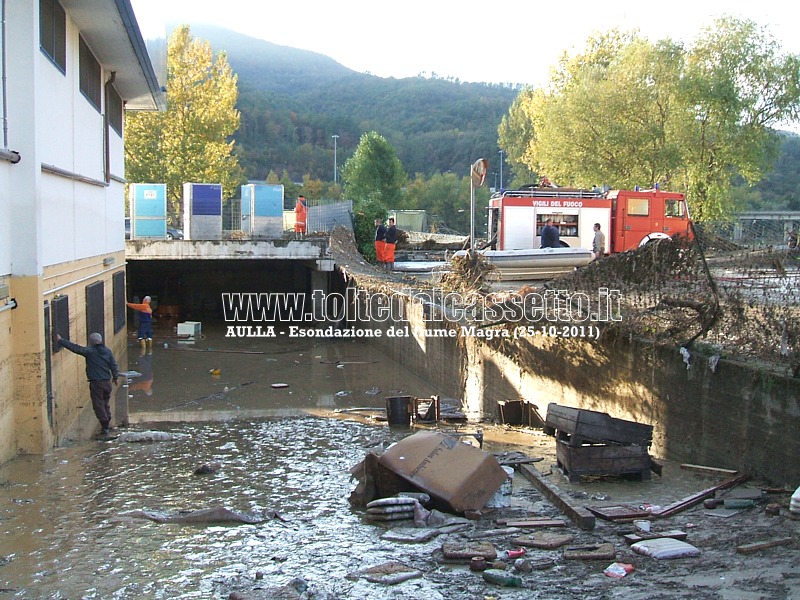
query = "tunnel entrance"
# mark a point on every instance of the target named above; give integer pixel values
(191, 290)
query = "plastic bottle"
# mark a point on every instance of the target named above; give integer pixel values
(503, 578)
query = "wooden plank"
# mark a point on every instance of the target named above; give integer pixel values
(756, 546)
(577, 514)
(604, 551)
(537, 523)
(618, 511)
(709, 470)
(697, 498)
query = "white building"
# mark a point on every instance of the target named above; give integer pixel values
(69, 69)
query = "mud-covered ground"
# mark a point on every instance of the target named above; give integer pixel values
(67, 530)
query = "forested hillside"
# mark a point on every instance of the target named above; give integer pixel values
(292, 101)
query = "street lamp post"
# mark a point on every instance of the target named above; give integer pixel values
(335, 170)
(501, 169)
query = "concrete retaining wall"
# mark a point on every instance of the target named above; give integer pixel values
(736, 417)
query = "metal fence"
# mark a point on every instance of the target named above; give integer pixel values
(323, 216)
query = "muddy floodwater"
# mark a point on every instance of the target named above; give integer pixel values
(68, 533)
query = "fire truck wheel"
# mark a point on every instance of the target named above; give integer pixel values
(653, 237)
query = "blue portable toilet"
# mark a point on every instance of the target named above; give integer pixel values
(202, 211)
(148, 207)
(262, 210)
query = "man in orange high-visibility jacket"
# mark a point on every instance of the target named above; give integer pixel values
(300, 217)
(145, 320)
(388, 249)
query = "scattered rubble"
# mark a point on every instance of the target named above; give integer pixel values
(496, 543)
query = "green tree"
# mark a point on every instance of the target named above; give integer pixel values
(312, 188)
(374, 172)
(373, 178)
(737, 87)
(291, 190)
(627, 111)
(190, 141)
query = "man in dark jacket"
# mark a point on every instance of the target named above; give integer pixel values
(550, 237)
(388, 249)
(101, 370)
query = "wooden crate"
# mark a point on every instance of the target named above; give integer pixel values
(602, 459)
(579, 426)
(511, 412)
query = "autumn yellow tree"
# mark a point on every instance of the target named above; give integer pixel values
(628, 111)
(191, 140)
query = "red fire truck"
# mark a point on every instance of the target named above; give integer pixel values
(629, 218)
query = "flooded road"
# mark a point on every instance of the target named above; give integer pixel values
(62, 517)
(67, 532)
(236, 375)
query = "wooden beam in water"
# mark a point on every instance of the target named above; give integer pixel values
(577, 514)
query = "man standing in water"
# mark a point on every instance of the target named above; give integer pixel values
(145, 321)
(101, 371)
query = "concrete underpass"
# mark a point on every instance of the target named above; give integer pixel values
(187, 279)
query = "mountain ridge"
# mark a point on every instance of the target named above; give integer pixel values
(293, 100)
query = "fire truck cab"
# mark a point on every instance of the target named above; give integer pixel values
(629, 218)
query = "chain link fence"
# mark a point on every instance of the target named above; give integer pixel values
(323, 216)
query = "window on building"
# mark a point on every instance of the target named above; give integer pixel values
(114, 109)
(53, 32)
(90, 83)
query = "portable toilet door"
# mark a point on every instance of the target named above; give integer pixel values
(202, 211)
(267, 210)
(148, 207)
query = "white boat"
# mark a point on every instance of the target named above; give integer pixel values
(538, 263)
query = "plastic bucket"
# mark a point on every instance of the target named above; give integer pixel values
(397, 410)
(502, 497)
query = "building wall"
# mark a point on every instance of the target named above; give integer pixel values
(736, 417)
(5, 219)
(72, 414)
(59, 233)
